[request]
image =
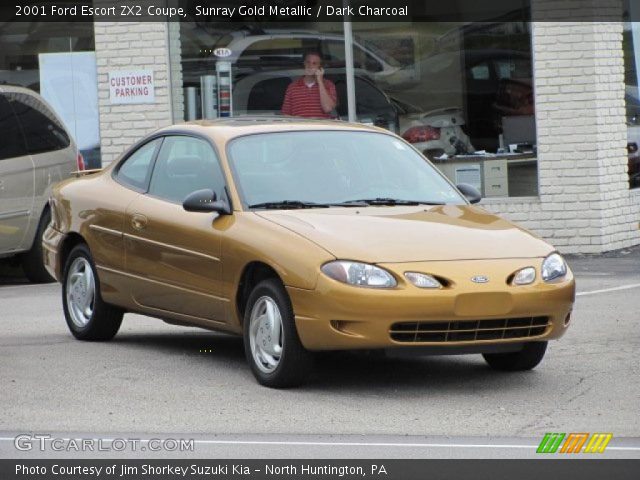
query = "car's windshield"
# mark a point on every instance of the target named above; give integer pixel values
(333, 167)
(382, 54)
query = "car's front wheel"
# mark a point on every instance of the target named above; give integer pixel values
(526, 359)
(272, 346)
(88, 317)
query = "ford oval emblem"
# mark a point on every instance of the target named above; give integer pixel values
(479, 279)
(222, 52)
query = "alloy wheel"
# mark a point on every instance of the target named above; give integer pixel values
(265, 334)
(81, 292)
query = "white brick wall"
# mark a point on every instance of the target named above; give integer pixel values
(175, 55)
(585, 204)
(136, 46)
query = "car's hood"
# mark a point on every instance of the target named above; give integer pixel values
(411, 234)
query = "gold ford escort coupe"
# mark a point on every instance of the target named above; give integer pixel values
(301, 235)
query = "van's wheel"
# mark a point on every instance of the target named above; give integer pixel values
(526, 359)
(33, 260)
(271, 342)
(88, 317)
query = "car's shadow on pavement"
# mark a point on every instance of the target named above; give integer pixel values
(352, 372)
(343, 372)
(206, 345)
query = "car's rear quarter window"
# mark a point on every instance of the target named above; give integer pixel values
(136, 169)
(42, 130)
(12, 144)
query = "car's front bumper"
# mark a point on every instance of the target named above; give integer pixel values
(336, 316)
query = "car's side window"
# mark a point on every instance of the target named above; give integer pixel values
(333, 53)
(184, 165)
(273, 51)
(12, 144)
(136, 169)
(42, 130)
(480, 72)
(267, 95)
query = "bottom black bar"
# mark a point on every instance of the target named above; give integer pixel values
(319, 469)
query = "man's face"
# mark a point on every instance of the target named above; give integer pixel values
(311, 64)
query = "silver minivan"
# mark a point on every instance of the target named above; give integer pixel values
(35, 152)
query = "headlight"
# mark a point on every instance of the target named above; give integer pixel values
(422, 280)
(359, 274)
(525, 276)
(553, 267)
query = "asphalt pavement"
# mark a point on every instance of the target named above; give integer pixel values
(156, 381)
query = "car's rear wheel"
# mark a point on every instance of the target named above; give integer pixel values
(272, 346)
(87, 315)
(526, 359)
(33, 260)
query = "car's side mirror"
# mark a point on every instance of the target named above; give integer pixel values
(205, 201)
(470, 192)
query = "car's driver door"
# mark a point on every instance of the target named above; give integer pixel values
(175, 254)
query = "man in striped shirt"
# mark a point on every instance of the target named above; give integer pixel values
(311, 95)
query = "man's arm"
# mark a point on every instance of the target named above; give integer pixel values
(328, 97)
(286, 104)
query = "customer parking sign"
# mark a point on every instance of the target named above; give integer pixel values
(131, 87)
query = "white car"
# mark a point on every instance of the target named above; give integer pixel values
(250, 53)
(35, 152)
(435, 133)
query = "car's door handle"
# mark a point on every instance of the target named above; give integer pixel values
(138, 222)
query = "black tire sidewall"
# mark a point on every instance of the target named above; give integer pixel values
(78, 251)
(33, 260)
(528, 358)
(295, 359)
(105, 319)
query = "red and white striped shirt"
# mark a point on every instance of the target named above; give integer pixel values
(302, 100)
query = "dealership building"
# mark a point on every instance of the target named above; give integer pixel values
(543, 117)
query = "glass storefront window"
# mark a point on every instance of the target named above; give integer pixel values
(460, 93)
(57, 60)
(631, 48)
(464, 98)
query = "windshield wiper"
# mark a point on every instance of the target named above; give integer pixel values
(292, 204)
(286, 204)
(349, 203)
(390, 201)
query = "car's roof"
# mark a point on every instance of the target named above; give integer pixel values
(299, 71)
(336, 75)
(253, 37)
(227, 128)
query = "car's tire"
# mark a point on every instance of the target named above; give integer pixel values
(275, 354)
(87, 315)
(526, 359)
(33, 260)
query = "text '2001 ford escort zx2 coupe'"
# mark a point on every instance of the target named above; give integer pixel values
(301, 235)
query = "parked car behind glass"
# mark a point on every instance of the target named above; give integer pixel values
(35, 152)
(433, 133)
(263, 93)
(267, 50)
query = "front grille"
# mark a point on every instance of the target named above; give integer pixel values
(469, 330)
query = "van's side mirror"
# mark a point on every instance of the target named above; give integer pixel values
(205, 201)
(470, 192)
